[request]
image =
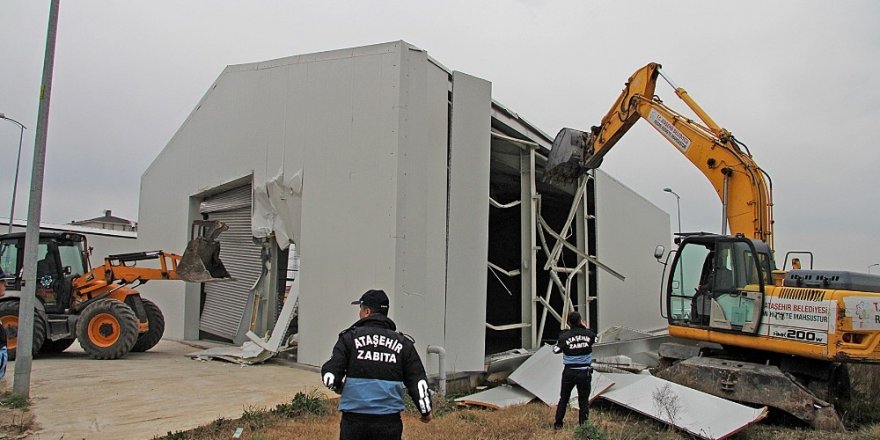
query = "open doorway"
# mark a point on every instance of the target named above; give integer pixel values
(509, 317)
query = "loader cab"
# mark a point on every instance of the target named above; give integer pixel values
(716, 282)
(60, 258)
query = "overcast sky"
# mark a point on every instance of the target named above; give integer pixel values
(794, 80)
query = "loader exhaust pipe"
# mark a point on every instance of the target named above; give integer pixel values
(200, 262)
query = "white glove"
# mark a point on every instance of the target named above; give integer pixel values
(330, 380)
(424, 397)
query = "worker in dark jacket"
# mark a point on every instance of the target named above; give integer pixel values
(371, 366)
(576, 346)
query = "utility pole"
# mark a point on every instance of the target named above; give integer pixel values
(21, 384)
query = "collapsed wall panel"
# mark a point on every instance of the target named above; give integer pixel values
(696, 412)
(541, 375)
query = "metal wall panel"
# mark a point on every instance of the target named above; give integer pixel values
(227, 301)
(468, 218)
(628, 247)
(350, 107)
(418, 295)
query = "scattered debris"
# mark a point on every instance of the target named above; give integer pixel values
(276, 340)
(258, 349)
(698, 413)
(619, 334)
(506, 360)
(618, 364)
(248, 354)
(641, 348)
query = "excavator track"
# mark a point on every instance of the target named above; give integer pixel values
(756, 384)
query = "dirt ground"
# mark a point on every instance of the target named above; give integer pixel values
(144, 394)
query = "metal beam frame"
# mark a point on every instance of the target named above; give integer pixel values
(533, 227)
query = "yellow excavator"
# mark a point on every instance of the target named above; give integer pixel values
(99, 306)
(784, 337)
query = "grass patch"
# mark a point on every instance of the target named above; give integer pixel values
(863, 407)
(13, 400)
(255, 417)
(313, 403)
(219, 428)
(589, 431)
(176, 435)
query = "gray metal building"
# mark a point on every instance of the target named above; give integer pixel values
(388, 170)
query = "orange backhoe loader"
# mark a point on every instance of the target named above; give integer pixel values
(99, 306)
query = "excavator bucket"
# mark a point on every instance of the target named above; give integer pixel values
(200, 262)
(568, 155)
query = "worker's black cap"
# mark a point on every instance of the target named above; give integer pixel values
(375, 299)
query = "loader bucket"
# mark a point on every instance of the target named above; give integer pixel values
(200, 262)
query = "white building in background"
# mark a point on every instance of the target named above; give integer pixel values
(103, 242)
(387, 170)
(108, 221)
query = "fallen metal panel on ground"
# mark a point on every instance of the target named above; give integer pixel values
(498, 398)
(541, 375)
(698, 413)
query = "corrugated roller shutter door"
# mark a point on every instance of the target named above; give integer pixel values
(226, 301)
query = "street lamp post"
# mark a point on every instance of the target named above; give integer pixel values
(677, 206)
(869, 267)
(21, 129)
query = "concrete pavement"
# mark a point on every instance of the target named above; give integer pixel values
(148, 394)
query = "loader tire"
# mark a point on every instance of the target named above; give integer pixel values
(9, 318)
(107, 329)
(151, 337)
(56, 346)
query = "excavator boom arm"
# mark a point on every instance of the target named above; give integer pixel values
(739, 182)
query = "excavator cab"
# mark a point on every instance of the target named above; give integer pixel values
(717, 282)
(200, 262)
